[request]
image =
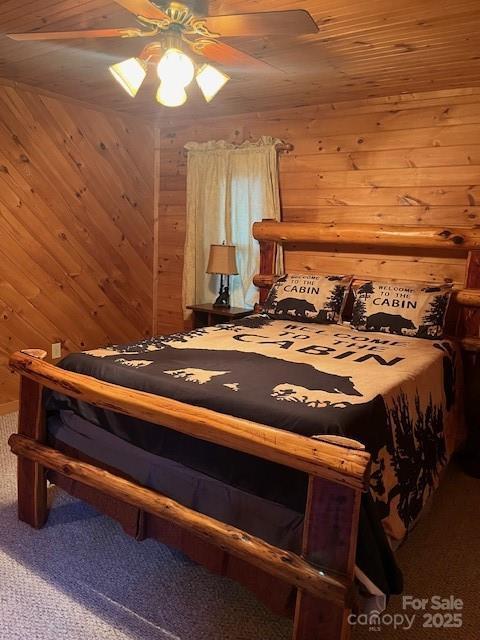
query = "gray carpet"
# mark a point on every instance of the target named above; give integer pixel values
(82, 578)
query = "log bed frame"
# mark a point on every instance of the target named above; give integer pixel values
(323, 574)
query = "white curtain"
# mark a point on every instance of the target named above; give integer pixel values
(228, 189)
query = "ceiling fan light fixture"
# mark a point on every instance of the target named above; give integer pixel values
(176, 67)
(171, 94)
(211, 81)
(130, 74)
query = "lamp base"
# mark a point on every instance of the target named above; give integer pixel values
(223, 300)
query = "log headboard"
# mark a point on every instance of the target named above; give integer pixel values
(422, 254)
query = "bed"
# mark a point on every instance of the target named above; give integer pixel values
(338, 441)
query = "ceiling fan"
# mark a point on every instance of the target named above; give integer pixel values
(178, 25)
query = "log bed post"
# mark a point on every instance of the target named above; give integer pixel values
(31, 476)
(470, 329)
(268, 259)
(329, 544)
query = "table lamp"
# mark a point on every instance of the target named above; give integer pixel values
(223, 262)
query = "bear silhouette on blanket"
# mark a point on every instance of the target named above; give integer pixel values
(298, 306)
(254, 373)
(261, 388)
(396, 324)
(266, 389)
(253, 386)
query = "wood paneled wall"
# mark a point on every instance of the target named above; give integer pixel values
(77, 189)
(76, 227)
(409, 159)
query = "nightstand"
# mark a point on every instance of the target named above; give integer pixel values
(206, 315)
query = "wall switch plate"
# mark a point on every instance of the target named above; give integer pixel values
(56, 350)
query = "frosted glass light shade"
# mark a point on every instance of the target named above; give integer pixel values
(210, 81)
(176, 66)
(171, 94)
(130, 74)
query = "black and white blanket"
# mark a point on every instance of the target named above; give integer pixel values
(397, 395)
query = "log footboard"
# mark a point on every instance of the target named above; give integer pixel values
(323, 574)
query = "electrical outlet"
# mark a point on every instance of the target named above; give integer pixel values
(56, 350)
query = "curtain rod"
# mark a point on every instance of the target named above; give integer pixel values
(284, 147)
(281, 147)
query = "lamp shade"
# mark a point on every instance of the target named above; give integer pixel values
(130, 74)
(222, 260)
(210, 81)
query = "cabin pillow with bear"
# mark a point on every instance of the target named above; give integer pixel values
(308, 298)
(416, 310)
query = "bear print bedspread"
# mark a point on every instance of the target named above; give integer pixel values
(397, 395)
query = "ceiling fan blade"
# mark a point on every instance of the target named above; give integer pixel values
(263, 24)
(143, 8)
(72, 35)
(229, 56)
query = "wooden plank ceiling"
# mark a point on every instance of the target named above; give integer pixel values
(364, 48)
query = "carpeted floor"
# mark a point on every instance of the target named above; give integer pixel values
(82, 578)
